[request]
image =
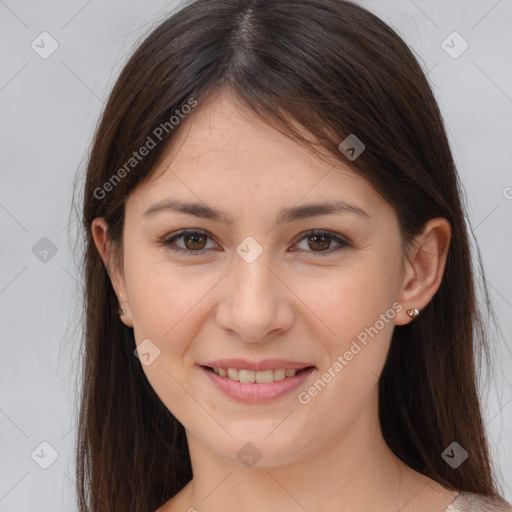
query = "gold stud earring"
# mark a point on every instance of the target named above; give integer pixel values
(413, 312)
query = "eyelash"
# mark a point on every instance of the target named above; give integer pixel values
(343, 244)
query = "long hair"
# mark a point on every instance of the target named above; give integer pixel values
(335, 69)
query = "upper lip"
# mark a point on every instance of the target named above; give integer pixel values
(267, 364)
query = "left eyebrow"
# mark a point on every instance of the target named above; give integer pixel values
(286, 215)
(315, 209)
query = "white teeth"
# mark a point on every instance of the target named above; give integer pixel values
(246, 375)
(233, 373)
(279, 374)
(251, 376)
(266, 376)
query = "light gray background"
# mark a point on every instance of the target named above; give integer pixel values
(49, 108)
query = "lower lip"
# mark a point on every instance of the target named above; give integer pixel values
(250, 392)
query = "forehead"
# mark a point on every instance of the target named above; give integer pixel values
(227, 154)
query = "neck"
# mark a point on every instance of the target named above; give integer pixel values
(356, 472)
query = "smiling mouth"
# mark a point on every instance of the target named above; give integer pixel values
(261, 377)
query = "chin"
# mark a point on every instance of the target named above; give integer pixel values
(259, 443)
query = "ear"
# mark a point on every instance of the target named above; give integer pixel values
(99, 228)
(424, 267)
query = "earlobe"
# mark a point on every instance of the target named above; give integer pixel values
(424, 268)
(125, 316)
(99, 228)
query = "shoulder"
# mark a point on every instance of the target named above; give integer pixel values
(471, 502)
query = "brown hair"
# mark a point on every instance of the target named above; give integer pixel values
(336, 69)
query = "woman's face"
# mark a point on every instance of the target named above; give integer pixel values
(256, 286)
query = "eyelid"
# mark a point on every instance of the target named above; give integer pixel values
(343, 242)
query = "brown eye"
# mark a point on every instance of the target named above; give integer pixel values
(191, 242)
(194, 241)
(319, 242)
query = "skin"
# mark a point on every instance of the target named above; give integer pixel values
(328, 454)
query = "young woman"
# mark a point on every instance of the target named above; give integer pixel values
(280, 302)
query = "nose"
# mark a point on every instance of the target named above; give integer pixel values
(254, 304)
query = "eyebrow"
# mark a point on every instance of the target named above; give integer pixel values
(286, 215)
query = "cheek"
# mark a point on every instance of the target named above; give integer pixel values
(348, 300)
(165, 298)
(165, 303)
(354, 310)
